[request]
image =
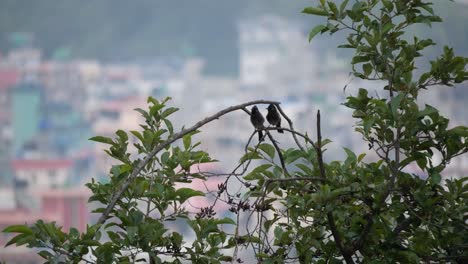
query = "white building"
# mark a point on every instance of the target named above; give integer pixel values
(42, 174)
(275, 56)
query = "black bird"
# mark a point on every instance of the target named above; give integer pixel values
(273, 117)
(257, 121)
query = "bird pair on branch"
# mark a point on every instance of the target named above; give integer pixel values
(272, 117)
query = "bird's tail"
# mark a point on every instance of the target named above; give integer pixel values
(260, 136)
(280, 130)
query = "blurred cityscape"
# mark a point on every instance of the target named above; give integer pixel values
(51, 105)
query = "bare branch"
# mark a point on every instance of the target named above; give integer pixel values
(280, 155)
(331, 219)
(290, 126)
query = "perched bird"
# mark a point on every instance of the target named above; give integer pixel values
(257, 121)
(273, 117)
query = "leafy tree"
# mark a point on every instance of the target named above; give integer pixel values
(294, 206)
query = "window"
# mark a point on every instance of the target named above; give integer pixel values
(33, 178)
(53, 178)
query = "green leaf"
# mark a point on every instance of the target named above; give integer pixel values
(137, 134)
(387, 27)
(186, 193)
(23, 229)
(89, 242)
(20, 240)
(395, 104)
(154, 110)
(142, 112)
(315, 11)
(428, 8)
(315, 31)
(187, 139)
(148, 137)
(427, 111)
(169, 111)
(152, 100)
(343, 5)
(122, 135)
(268, 149)
(388, 5)
(305, 169)
(333, 8)
(225, 221)
(367, 68)
(367, 124)
(169, 126)
(359, 59)
(422, 162)
(293, 155)
(255, 173)
(251, 155)
(435, 178)
(102, 139)
(424, 77)
(165, 157)
(132, 231)
(360, 157)
(351, 156)
(346, 46)
(45, 254)
(461, 131)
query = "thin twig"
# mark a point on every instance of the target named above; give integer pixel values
(280, 155)
(290, 123)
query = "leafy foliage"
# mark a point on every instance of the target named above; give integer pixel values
(292, 206)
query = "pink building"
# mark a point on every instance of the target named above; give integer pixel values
(67, 207)
(22, 254)
(8, 78)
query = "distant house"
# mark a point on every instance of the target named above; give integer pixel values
(67, 207)
(9, 77)
(26, 106)
(63, 128)
(42, 174)
(273, 49)
(22, 254)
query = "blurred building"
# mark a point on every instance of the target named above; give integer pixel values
(43, 174)
(275, 57)
(68, 208)
(64, 129)
(26, 106)
(62, 82)
(21, 254)
(9, 77)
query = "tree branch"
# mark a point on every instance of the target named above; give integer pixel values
(280, 155)
(290, 123)
(331, 220)
(166, 143)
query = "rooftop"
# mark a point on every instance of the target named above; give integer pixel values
(41, 164)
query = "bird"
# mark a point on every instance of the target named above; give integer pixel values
(257, 120)
(273, 117)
